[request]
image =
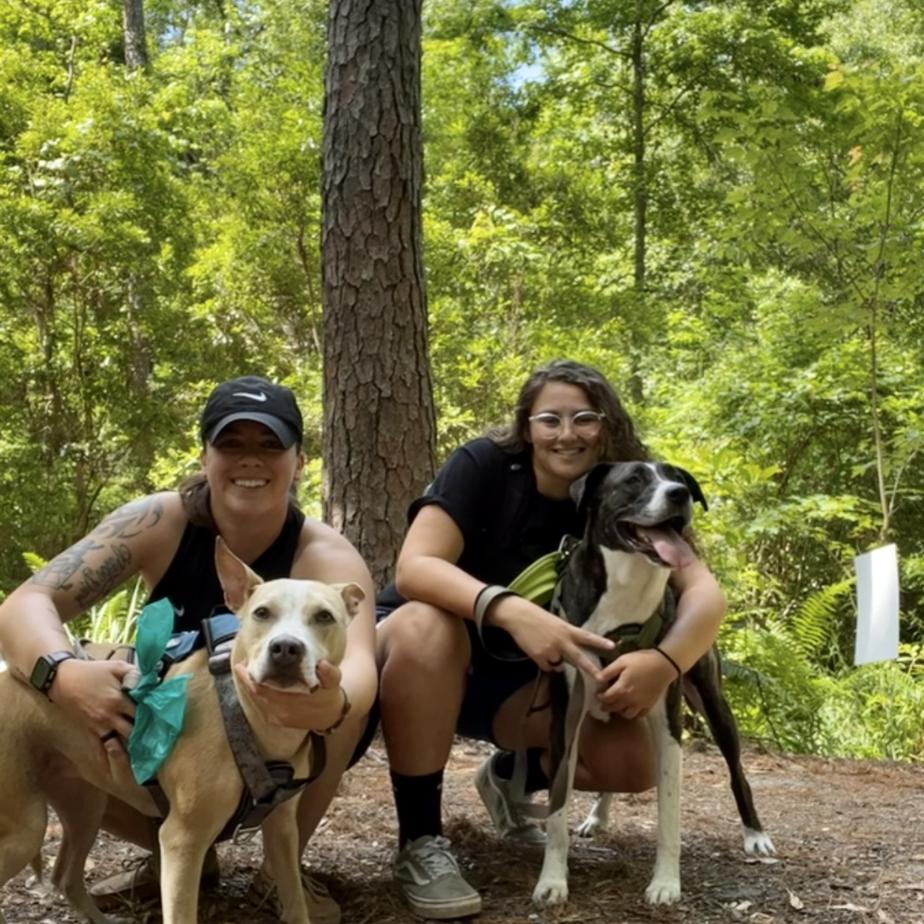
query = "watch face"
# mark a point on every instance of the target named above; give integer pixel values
(43, 674)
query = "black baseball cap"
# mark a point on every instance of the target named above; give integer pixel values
(251, 397)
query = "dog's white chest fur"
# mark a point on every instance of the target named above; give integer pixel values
(634, 587)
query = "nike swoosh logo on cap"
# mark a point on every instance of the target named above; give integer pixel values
(259, 396)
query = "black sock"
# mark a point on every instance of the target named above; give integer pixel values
(418, 803)
(535, 775)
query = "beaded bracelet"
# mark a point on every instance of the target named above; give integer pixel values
(344, 712)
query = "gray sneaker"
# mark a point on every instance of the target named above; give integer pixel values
(429, 877)
(510, 821)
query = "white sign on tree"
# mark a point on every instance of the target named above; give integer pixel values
(877, 605)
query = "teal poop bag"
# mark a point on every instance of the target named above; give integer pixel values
(160, 707)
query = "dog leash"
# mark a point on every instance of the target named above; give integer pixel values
(628, 637)
(543, 579)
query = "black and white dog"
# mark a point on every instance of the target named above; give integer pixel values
(615, 583)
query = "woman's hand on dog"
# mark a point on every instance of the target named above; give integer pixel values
(296, 707)
(91, 691)
(545, 638)
(634, 682)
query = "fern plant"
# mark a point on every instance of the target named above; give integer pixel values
(791, 687)
(816, 623)
(773, 688)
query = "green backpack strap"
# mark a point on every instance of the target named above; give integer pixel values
(537, 581)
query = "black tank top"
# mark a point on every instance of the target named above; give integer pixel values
(191, 582)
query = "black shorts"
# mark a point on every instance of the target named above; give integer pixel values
(495, 673)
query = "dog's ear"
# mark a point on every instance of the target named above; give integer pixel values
(696, 492)
(586, 486)
(352, 595)
(237, 580)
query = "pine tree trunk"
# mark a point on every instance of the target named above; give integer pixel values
(379, 427)
(640, 208)
(136, 53)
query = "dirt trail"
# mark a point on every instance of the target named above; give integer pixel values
(850, 837)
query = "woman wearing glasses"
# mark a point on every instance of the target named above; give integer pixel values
(499, 503)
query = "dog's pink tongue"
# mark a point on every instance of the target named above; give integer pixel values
(671, 547)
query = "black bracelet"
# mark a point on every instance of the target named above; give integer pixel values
(673, 663)
(486, 597)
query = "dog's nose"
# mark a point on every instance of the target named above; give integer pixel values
(286, 650)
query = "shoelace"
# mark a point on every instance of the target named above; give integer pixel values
(435, 858)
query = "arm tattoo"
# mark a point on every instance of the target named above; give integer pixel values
(125, 523)
(97, 582)
(130, 520)
(58, 572)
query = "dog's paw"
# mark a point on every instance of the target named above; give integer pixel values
(550, 892)
(758, 843)
(589, 827)
(592, 826)
(662, 892)
(596, 821)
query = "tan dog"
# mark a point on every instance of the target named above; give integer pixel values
(287, 626)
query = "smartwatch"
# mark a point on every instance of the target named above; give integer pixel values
(46, 668)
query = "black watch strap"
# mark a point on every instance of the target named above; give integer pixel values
(45, 669)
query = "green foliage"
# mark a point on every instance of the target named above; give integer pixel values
(114, 619)
(774, 690)
(813, 624)
(875, 711)
(781, 697)
(159, 231)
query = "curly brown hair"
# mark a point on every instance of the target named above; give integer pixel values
(620, 441)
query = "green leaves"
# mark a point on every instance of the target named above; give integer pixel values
(159, 231)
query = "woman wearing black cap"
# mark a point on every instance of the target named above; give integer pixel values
(251, 432)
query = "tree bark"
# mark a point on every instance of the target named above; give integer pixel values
(136, 52)
(379, 422)
(640, 208)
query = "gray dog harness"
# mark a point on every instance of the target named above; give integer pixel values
(267, 784)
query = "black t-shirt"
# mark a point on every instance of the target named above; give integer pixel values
(505, 522)
(191, 582)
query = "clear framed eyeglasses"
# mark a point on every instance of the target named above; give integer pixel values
(584, 423)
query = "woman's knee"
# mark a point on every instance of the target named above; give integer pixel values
(419, 636)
